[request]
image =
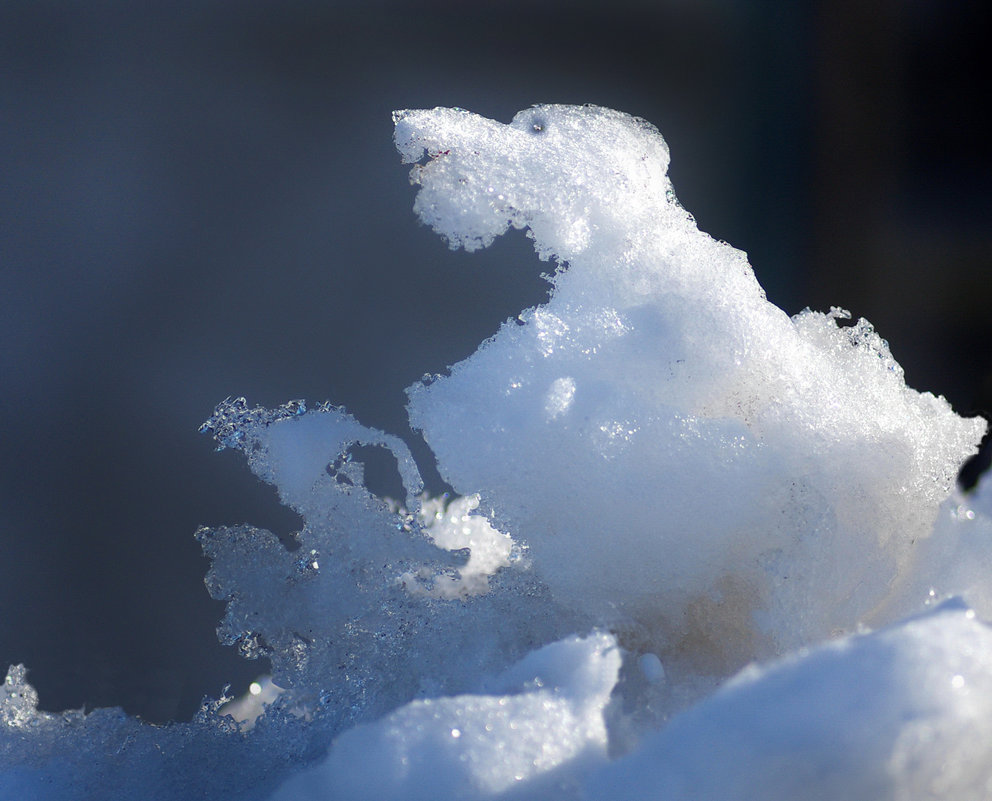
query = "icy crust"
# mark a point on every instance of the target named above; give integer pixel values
(79, 756)
(359, 617)
(455, 526)
(294, 457)
(904, 713)
(680, 456)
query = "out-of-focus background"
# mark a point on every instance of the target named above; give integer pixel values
(202, 199)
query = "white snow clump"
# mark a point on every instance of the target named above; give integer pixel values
(679, 455)
(543, 714)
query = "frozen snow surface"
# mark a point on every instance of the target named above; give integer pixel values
(680, 514)
(546, 714)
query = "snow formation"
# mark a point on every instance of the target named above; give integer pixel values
(658, 433)
(664, 481)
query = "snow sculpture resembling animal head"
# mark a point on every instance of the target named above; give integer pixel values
(481, 176)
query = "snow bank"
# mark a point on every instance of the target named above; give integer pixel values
(663, 479)
(904, 713)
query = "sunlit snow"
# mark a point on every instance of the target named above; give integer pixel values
(700, 548)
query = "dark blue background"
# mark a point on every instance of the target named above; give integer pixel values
(202, 199)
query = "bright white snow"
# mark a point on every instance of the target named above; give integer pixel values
(665, 481)
(679, 455)
(544, 714)
(901, 714)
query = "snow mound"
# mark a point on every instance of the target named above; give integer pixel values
(539, 727)
(679, 455)
(904, 713)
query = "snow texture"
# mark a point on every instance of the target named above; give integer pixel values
(901, 714)
(675, 451)
(544, 719)
(664, 481)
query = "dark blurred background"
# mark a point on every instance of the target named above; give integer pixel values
(200, 200)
